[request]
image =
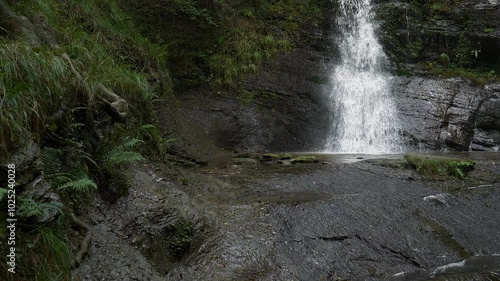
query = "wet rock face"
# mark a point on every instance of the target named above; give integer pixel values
(448, 114)
(30, 181)
(443, 114)
(281, 108)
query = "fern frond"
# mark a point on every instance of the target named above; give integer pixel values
(121, 157)
(83, 184)
(53, 206)
(129, 142)
(51, 160)
(29, 208)
(148, 127)
(87, 157)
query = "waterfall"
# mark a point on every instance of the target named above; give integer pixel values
(365, 119)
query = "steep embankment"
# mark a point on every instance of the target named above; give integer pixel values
(77, 86)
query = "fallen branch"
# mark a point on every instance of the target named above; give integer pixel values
(84, 245)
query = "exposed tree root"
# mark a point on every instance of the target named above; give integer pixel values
(117, 105)
(84, 245)
(20, 27)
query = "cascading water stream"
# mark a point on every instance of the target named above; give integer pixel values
(365, 119)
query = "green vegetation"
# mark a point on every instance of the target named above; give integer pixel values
(52, 93)
(43, 252)
(223, 41)
(104, 45)
(440, 166)
(246, 43)
(478, 77)
(462, 61)
(47, 254)
(243, 55)
(304, 159)
(440, 7)
(449, 51)
(122, 153)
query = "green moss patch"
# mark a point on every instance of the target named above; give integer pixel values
(305, 159)
(440, 166)
(277, 156)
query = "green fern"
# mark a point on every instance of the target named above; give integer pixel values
(129, 142)
(51, 160)
(148, 127)
(121, 157)
(30, 208)
(122, 154)
(83, 185)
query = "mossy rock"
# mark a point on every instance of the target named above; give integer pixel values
(285, 156)
(440, 166)
(305, 159)
(276, 156)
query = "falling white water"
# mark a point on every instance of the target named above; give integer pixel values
(365, 119)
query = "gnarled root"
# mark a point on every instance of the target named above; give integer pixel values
(84, 245)
(117, 105)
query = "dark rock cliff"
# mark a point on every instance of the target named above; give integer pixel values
(445, 38)
(466, 33)
(281, 108)
(448, 114)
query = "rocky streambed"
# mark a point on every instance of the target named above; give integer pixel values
(340, 219)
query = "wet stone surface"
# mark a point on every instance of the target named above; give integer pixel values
(373, 219)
